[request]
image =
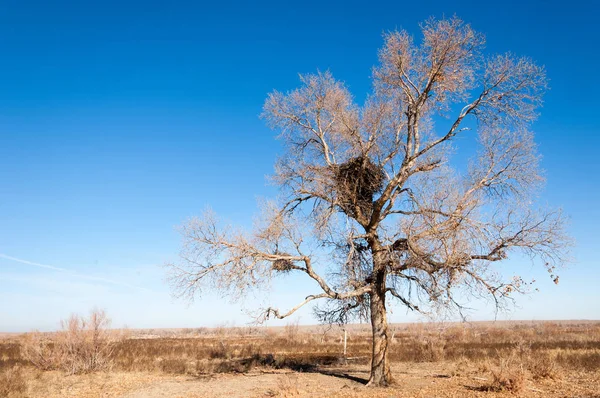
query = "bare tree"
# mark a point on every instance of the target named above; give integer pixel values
(371, 206)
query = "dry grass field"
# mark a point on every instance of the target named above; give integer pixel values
(541, 359)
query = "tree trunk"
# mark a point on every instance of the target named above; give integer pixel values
(380, 367)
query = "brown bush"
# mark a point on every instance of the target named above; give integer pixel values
(460, 367)
(587, 361)
(12, 383)
(40, 350)
(174, 366)
(513, 381)
(291, 332)
(510, 376)
(82, 346)
(431, 350)
(543, 366)
(220, 351)
(287, 386)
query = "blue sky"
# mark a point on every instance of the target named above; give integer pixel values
(118, 120)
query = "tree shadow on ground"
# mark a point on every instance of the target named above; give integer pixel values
(302, 364)
(342, 375)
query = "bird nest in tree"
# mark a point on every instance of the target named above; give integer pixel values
(356, 182)
(282, 264)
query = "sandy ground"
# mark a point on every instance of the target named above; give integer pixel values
(414, 380)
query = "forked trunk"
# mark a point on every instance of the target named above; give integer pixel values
(380, 367)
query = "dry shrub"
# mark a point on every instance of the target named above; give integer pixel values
(484, 367)
(587, 361)
(543, 366)
(220, 330)
(510, 377)
(287, 386)
(10, 354)
(86, 344)
(40, 350)
(221, 351)
(203, 367)
(292, 331)
(174, 366)
(432, 350)
(83, 345)
(12, 383)
(231, 366)
(505, 380)
(461, 367)
(251, 349)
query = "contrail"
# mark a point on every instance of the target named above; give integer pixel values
(19, 260)
(68, 272)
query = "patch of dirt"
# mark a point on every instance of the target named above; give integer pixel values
(271, 384)
(413, 380)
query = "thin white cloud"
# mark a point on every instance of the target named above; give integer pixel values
(71, 273)
(20, 260)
